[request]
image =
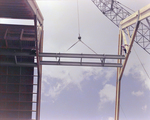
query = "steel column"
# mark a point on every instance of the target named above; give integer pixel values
(38, 70)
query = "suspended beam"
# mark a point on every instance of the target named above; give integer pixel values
(91, 56)
(79, 59)
(91, 64)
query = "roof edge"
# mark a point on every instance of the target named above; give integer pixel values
(35, 10)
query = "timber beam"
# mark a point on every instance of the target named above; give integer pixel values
(141, 14)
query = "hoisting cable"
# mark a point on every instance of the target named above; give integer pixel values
(78, 17)
(141, 64)
(89, 47)
(123, 112)
(79, 37)
(72, 45)
(79, 40)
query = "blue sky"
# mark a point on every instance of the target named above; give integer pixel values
(85, 93)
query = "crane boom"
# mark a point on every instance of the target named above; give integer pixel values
(115, 12)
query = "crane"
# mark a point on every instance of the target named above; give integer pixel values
(116, 12)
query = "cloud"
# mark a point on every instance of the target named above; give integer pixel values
(139, 70)
(107, 94)
(56, 79)
(109, 73)
(141, 76)
(55, 90)
(146, 82)
(138, 93)
(144, 79)
(110, 118)
(144, 108)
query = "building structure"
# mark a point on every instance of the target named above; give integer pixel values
(20, 71)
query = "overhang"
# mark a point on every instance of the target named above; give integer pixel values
(20, 9)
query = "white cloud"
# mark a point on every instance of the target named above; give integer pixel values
(66, 76)
(55, 90)
(144, 79)
(110, 118)
(144, 108)
(109, 74)
(138, 93)
(146, 83)
(141, 76)
(107, 94)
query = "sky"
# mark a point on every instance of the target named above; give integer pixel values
(88, 93)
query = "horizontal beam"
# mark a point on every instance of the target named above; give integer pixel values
(91, 56)
(15, 101)
(17, 92)
(18, 83)
(13, 53)
(140, 15)
(18, 64)
(91, 64)
(18, 110)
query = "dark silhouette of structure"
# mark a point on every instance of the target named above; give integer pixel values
(20, 71)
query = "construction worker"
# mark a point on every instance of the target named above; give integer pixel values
(124, 49)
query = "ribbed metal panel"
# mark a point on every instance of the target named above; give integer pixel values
(16, 72)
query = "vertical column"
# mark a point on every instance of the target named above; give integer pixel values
(118, 82)
(38, 71)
